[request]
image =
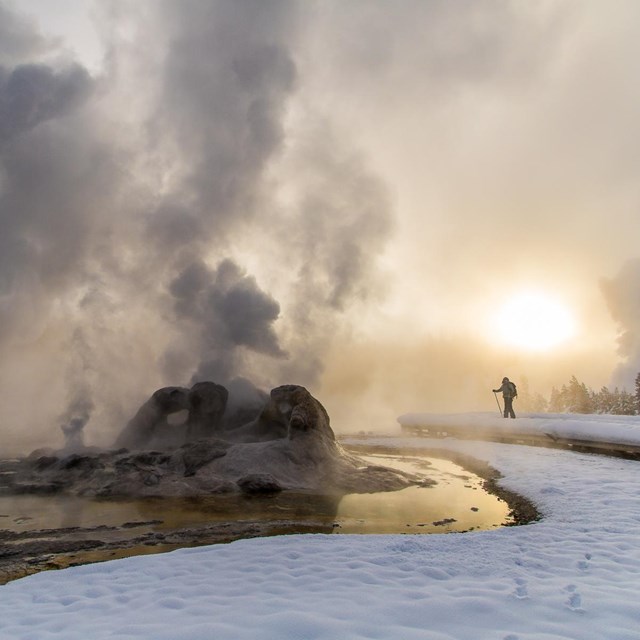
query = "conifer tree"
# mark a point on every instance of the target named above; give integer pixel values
(617, 402)
(579, 399)
(555, 402)
(624, 403)
(538, 403)
(603, 401)
(530, 401)
(628, 403)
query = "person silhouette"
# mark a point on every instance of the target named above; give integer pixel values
(509, 392)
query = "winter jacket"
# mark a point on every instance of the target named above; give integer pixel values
(508, 390)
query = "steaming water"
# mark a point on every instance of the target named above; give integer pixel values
(456, 503)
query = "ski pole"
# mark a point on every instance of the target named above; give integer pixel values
(498, 402)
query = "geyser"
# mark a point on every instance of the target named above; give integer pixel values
(287, 443)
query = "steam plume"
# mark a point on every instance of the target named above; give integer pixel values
(623, 299)
(134, 202)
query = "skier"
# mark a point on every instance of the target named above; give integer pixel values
(509, 392)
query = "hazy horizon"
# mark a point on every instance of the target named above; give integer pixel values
(337, 195)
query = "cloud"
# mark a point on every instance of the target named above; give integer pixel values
(623, 301)
(19, 37)
(227, 312)
(131, 200)
(43, 196)
(34, 93)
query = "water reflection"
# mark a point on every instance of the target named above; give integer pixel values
(457, 503)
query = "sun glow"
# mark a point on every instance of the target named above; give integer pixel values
(533, 321)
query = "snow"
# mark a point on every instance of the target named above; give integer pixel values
(573, 575)
(587, 428)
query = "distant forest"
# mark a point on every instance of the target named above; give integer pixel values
(576, 397)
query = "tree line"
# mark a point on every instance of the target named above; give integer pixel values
(576, 397)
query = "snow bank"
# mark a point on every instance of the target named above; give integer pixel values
(624, 430)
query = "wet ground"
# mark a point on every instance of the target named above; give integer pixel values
(48, 532)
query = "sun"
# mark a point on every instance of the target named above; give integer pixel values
(533, 321)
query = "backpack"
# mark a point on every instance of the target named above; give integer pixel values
(514, 390)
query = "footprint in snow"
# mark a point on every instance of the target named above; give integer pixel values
(574, 602)
(583, 565)
(552, 491)
(521, 589)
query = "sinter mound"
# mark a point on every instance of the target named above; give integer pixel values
(270, 443)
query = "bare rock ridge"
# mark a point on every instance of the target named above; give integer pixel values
(267, 443)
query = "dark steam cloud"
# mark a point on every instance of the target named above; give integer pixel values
(31, 94)
(133, 202)
(227, 310)
(226, 77)
(45, 186)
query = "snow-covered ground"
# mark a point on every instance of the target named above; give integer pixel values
(573, 575)
(623, 430)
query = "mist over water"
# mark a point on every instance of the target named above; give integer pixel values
(324, 195)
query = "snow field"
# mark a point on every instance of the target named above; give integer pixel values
(573, 575)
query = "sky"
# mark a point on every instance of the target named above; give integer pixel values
(573, 574)
(338, 195)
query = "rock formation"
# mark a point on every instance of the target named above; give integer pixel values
(289, 445)
(150, 422)
(207, 404)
